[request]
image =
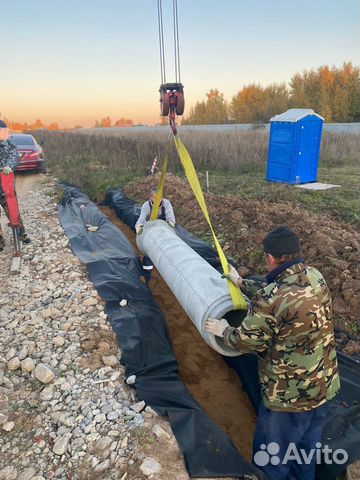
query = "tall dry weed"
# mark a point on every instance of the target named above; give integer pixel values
(97, 158)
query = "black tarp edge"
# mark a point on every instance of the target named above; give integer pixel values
(141, 331)
(344, 414)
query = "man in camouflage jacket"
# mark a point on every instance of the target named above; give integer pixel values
(289, 325)
(9, 159)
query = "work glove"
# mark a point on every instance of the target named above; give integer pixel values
(171, 223)
(139, 229)
(216, 327)
(233, 276)
(7, 170)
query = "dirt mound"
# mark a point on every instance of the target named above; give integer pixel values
(241, 224)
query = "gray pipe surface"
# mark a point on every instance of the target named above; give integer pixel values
(198, 287)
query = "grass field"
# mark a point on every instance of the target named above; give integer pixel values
(341, 203)
(236, 162)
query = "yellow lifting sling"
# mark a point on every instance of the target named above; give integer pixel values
(235, 292)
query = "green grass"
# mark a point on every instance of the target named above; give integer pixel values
(236, 163)
(353, 328)
(22, 406)
(341, 203)
(142, 436)
(92, 179)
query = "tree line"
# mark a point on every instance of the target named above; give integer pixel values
(332, 92)
(106, 123)
(39, 125)
(36, 125)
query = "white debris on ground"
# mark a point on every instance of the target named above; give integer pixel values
(66, 412)
(317, 186)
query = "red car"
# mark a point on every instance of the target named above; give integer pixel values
(30, 152)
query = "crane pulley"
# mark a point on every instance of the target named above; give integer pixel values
(171, 104)
(172, 100)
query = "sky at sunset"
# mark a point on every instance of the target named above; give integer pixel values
(75, 61)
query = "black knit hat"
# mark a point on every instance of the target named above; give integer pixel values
(3, 124)
(281, 241)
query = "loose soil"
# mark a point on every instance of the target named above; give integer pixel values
(213, 384)
(97, 344)
(241, 224)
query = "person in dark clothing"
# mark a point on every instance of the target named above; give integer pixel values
(9, 160)
(166, 213)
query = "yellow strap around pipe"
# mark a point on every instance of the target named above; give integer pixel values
(236, 295)
(160, 188)
(235, 292)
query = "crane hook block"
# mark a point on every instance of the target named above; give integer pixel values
(171, 99)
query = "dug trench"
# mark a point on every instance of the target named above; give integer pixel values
(213, 384)
(327, 244)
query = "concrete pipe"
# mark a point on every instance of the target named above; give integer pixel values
(198, 287)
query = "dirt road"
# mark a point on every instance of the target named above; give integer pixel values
(27, 181)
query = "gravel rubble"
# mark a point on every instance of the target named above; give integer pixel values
(65, 410)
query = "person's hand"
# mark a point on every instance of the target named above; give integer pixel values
(233, 276)
(171, 223)
(216, 327)
(7, 170)
(139, 229)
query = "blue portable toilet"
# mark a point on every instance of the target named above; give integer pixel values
(294, 146)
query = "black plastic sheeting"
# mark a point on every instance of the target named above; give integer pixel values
(342, 426)
(142, 333)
